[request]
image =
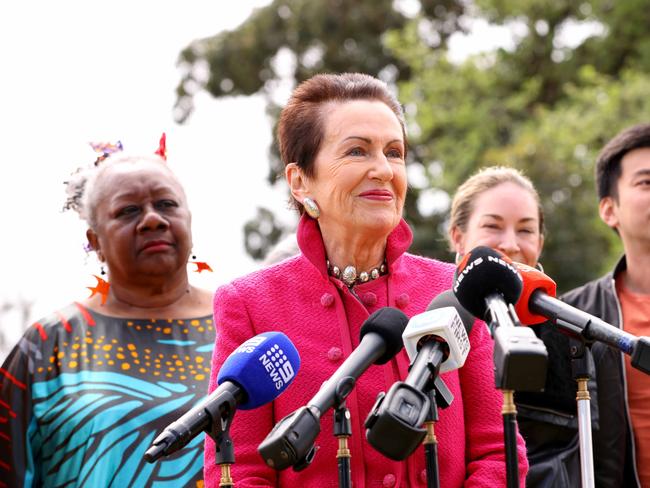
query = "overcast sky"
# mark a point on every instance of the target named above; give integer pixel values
(74, 72)
(80, 71)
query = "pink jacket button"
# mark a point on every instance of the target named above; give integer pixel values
(334, 354)
(369, 299)
(327, 300)
(389, 480)
(402, 301)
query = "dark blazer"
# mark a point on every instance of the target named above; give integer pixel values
(614, 456)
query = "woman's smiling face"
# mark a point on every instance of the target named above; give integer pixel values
(505, 218)
(359, 180)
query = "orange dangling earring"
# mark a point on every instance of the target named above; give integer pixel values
(200, 265)
(102, 287)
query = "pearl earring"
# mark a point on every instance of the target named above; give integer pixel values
(311, 208)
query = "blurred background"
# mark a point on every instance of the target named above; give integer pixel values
(536, 84)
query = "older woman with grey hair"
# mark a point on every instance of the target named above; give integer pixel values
(88, 387)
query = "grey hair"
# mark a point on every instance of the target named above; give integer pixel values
(80, 186)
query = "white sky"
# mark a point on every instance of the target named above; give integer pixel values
(80, 71)
(74, 72)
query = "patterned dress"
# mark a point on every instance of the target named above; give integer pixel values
(83, 395)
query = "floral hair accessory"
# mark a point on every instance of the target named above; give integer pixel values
(105, 149)
(162, 147)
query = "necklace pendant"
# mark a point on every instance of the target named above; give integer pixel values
(349, 275)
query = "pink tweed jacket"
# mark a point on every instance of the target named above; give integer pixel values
(322, 318)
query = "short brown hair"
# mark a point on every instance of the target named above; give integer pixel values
(608, 163)
(485, 179)
(300, 128)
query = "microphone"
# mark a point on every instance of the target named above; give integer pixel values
(487, 281)
(533, 280)
(441, 327)
(540, 301)
(487, 284)
(254, 374)
(291, 442)
(435, 341)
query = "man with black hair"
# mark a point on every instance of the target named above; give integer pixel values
(622, 297)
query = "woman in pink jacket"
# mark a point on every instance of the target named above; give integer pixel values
(343, 142)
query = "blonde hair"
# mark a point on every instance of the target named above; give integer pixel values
(485, 179)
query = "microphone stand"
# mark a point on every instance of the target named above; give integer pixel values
(224, 449)
(431, 444)
(520, 364)
(509, 413)
(343, 431)
(439, 396)
(582, 363)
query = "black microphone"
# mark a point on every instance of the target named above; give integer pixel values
(485, 282)
(436, 341)
(577, 323)
(254, 374)
(488, 285)
(291, 442)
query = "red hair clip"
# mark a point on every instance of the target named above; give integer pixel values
(162, 147)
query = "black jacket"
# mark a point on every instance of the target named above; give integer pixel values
(614, 457)
(548, 421)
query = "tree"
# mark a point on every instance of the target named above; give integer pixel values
(303, 37)
(532, 108)
(545, 105)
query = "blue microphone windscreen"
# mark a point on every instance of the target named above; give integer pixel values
(263, 367)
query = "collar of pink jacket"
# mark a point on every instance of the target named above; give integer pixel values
(311, 244)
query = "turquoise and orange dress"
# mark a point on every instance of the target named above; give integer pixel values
(83, 395)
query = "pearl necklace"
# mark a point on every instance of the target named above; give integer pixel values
(349, 275)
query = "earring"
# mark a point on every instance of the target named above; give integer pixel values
(311, 208)
(200, 265)
(458, 258)
(102, 287)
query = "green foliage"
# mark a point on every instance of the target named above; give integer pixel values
(261, 233)
(324, 35)
(557, 148)
(465, 118)
(314, 36)
(545, 106)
